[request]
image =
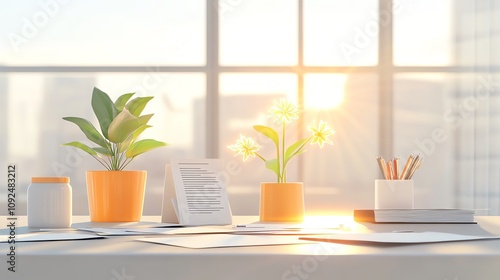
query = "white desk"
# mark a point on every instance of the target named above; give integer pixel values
(123, 258)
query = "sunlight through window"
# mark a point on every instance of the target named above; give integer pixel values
(324, 91)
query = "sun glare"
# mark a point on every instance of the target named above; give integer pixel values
(341, 222)
(323, 91)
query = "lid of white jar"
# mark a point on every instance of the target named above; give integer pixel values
(49, 179)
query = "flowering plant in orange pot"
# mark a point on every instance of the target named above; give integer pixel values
(282, 201)
(116, 195)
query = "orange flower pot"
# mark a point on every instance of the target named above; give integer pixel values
(281, 202)
(116, 196)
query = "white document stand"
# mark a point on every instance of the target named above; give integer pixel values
(195, 193)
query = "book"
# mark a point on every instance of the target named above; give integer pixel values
(424, 216)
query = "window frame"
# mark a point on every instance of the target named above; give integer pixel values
(385, 70)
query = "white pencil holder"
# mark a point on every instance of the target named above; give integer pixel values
(394, 194)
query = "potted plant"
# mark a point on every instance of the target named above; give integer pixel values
(116, 195)
(282, 201)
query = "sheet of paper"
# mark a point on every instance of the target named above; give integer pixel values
(161, 225)
(186, 230)
(112, 231)
(225, 240)
(140, 229)
(288, 226)
(31, 237)
(206, 230)
(269, 230)
(298, 232)
(398, 237)
(199, 195)
(138, 224)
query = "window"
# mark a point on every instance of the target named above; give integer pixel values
(391, 77)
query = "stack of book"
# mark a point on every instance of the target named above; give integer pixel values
(459, 216)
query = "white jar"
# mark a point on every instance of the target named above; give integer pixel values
(49, 202)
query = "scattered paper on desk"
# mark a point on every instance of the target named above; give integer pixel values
(225, 240)
(32, 237)
(139, 224)
(112, 231)
(185, 230)
(398, 237)
(255, 230)
(155, 228)
(295, 232)
(154, 225)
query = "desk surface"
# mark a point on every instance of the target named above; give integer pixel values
(125, 258)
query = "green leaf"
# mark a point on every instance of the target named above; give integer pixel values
(104, 109)
(145, 118)
(273, 164)
(82, 146)
(143, 146)
(122, 101)
(268, 132)
(103, 151)
(132, 137)
(295, 149)
(136, 105)
(89, 130)
(122, 126)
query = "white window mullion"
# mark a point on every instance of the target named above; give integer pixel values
(385, 62)
(212, 76)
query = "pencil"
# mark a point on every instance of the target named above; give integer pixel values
(418, 162)
(412, 167)
(382, 166)
(395, 164)
(389, 170)
(408, 164)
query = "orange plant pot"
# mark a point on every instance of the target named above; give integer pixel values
(281, 202)
(116, 196)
